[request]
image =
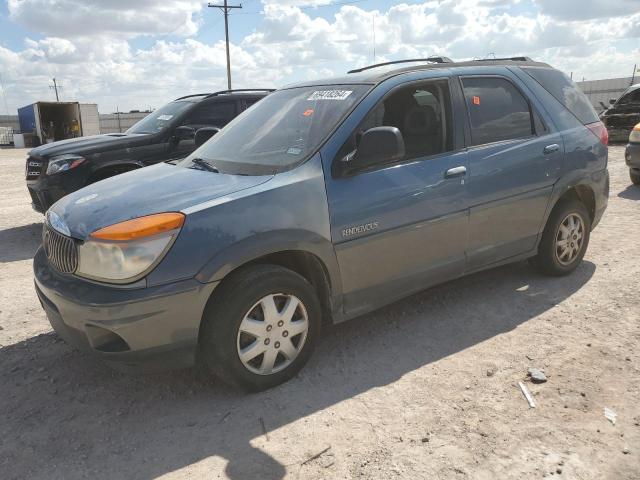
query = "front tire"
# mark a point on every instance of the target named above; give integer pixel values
(635, 177)
(564, 240)
(260, 327)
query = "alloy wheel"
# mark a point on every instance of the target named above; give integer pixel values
(272, 333)
(569, 239)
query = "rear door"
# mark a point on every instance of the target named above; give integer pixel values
(89, 119)
(514, 159)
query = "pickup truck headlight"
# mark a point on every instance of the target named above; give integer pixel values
(62, 163)
(635, 134)
(126, 251)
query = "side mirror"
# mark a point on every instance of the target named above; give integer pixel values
(205, 133)
(378, 146)
(183, 133)
(612, 101)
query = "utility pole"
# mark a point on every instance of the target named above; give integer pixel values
(373, 31)
(225, 9)
(55, 86)
(4, 95)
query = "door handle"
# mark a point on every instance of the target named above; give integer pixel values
(455, 172)
(554, 147)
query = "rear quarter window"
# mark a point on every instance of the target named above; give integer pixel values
(565, 91)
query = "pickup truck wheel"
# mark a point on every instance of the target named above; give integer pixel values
(261, 327)
(635, 177)
(564, 240)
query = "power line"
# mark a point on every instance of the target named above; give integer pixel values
(226, 8)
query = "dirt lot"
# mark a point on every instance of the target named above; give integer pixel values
(426, 388)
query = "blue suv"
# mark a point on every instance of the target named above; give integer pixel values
(322, 202)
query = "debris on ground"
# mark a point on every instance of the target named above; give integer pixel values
(527, 394)
(537, 375)
(610, 415)
(317, 455)
(264, 429)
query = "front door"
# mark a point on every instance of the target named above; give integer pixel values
(399, 228)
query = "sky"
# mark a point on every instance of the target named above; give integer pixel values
(139, 54)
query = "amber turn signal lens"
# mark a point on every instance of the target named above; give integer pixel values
(140, 227)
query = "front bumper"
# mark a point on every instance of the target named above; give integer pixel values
(149, 329)
(632, 156)
(45, 190)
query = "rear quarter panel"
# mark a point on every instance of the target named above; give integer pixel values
(585, 159)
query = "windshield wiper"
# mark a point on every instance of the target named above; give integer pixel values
(204, 164)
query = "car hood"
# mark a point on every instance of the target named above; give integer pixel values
(87, 145)
(156, 189)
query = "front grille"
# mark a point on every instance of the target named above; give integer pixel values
(61, 250)
(34, 167)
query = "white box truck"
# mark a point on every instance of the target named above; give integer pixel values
(53, 121)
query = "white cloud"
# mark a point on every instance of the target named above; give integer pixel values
(581, 9)
(97, 62)
(74, 18)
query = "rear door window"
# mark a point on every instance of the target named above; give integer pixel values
(497, 110)
(565, 91)
(211, 114)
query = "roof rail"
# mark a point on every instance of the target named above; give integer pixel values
(193, 95)
(222, 92)
(428, 59)
(514, 59)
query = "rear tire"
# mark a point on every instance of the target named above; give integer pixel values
(565, 239)
(635, 177)
(253, 333)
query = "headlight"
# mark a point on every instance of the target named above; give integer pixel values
(126, 251)
(635, 134)
(62, 163)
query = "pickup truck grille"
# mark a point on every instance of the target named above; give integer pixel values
(60, 249)
(34, 168)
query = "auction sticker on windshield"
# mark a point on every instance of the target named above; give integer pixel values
(330, 94)
(165, 117)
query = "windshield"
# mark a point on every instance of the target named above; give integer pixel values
(160, 118)
(280, 131)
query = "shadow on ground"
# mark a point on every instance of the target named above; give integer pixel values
(20, 243)
(66, 415)
(632, 192)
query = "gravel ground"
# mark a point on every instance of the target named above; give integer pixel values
(425, 388)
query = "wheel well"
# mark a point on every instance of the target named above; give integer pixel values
(583, 194)
(307, 265)
(111, 171)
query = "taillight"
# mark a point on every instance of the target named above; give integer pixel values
(600, 131)
(635, 134)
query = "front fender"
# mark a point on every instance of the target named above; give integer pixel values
(266, 243)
